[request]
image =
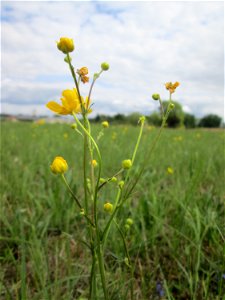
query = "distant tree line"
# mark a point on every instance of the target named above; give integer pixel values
(177, 118)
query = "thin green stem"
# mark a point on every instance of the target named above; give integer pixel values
(149, 153)
(91, 138)
(75, 81)
(129, 260)
(138, 141)
(135, 149)
(76, 200)
(102, 268)
(161, 107)
(91, 156)
(119, 194)
(110, 178)
(93, 287)
(108, 225)
(99, 167)
(71, 192)
(85, 173)
(134, 152)
(99, 246)
(124, 241)
(92, 84)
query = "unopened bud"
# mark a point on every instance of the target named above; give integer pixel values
(126, 261)
(114, 179)
(105, 66)
(127, 227)
(74, 126)
(82, 212)
(68, 60)
(126, 164)
(156, 97)
(129, 221)
(142, 119)
(101, 180)
(108, 207)
(94, 163)
(171, 106)
(121, 184)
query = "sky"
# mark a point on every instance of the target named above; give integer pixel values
(146, 43)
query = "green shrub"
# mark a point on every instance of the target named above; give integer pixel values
(189, 121)
(210, 121)
(154, 119)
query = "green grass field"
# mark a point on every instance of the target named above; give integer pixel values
(176, 242)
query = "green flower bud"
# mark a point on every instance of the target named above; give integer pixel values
(142, 119)
(129, 221)
(121, 184)
(171, 106)
(105, 66)
(67, 60)
(108, 207)
(126, 164)
(127, 227)
(156, 97)
(74, 126)
(114, 179)
(126, 261)
(102, 180)
(82, 212)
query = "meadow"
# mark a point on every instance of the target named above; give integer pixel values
(176, 242)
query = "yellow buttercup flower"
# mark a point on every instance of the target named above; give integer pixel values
(94, 163)
(70, 103)
(172, 86)
(105, 124)
(65, 45)
(59, 165)
(170, 170)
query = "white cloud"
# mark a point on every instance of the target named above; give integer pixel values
(146, 44)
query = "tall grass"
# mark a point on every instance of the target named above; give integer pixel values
(177, 239)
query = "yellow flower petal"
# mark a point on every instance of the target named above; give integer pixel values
(70, 94)
(57, 108)
(70, 101)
